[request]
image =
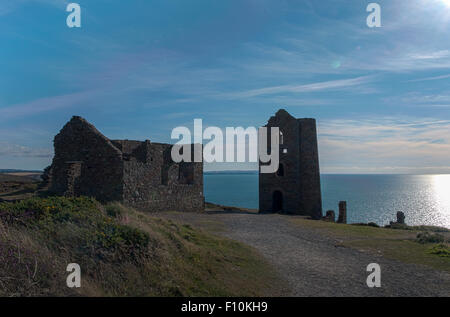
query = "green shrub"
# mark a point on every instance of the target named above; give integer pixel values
(430, 228)
(398, 226)
(370, 224)
(123, 239)
(115, 210)
(76, 221)
(54, 209)
(426, 237)
(441, 249)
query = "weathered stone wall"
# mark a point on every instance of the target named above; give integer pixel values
(100, 163)
(139, 174)
(309, 174)
(299, 183)
(160, 184)
(288, 184)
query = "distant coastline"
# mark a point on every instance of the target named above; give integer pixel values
(231, 172)
(254, 172)
(3, 171)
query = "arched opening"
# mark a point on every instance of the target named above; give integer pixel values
(281, 138)
(280, 171)
(277, 201)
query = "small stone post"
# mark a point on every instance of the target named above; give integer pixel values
(400, 217)
(330, 217)
(342, 212)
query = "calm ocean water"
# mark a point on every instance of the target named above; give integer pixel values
(425, 199)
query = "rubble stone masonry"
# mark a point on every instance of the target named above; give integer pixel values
(138, 174)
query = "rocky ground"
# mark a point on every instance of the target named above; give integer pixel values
(314, 263)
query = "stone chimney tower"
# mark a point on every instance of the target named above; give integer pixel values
(295, 187)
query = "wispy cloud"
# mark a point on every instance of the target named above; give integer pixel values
(15, 150)
(431, 55)
(441, 99)
(398, 60)
(385, 169)
(430, 78)
(303, 88)
(47, 104)
(385, 145)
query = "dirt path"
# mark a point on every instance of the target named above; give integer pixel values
(312, 264)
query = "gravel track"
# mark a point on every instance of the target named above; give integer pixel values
(313, 264)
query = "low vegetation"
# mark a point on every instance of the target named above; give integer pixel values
(122, 252)
(427, 237)
(441, 250)
(424, 245)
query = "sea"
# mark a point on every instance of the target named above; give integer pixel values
(425, 199)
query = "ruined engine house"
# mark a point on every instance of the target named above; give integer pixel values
(295, 187)
(138, 174)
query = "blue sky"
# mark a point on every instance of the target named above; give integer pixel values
(139, 68)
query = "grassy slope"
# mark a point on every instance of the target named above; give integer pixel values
(121, 252)
(391, 243)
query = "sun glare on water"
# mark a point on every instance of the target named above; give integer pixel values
(442, 196)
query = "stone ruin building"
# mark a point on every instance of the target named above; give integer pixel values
(138, 174)
(295, 187)
(142, 174)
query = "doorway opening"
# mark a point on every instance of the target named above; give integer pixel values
(277, 201)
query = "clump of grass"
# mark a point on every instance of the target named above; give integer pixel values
(427, 237)
(441, 250)
(431, 229)
(399, 226)
(402, 226)
(370, 224)
(115, 209)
